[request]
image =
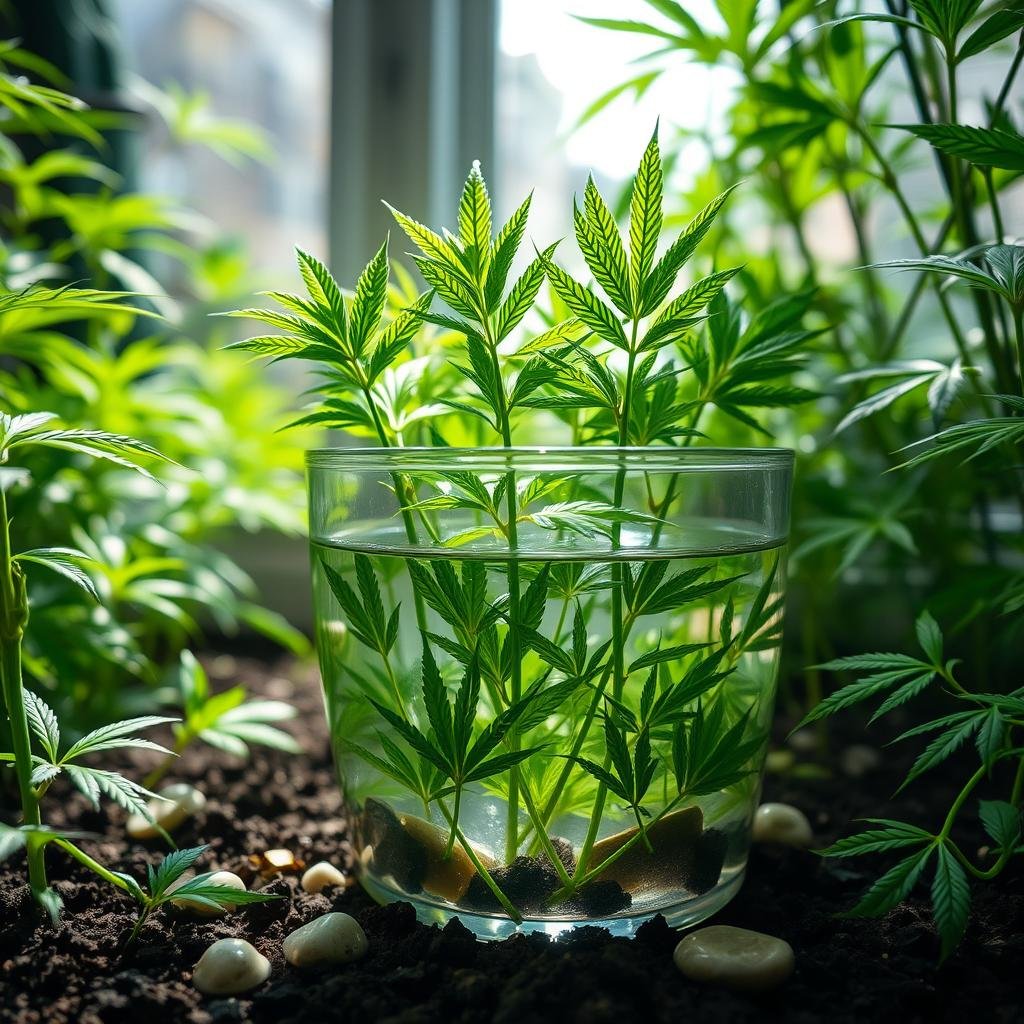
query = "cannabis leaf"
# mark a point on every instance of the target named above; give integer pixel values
(227, 720)
(736, 367)
(66, 562)
(900, 675)
(352, 337)
(986, 147)
(460, 753)
(1001, 272)
(27, 430)
(631, 773)
(974, 438)
(365, 614)
(709, 756)
(944, 382)
(92, 782)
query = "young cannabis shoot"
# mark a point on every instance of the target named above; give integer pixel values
(224, 720)
(562, 721)
(161, 890)
(992, 721)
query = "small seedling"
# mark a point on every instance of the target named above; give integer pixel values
(28, 714)
(224, 720)
(91, 782)
(160, 888)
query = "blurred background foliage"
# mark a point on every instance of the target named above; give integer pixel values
(156, 549)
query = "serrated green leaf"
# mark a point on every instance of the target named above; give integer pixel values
(475, 220)
(65, 562)
(1002, 822)
(601, 245)
(43, 723)
(894, 886)
(984, 147)
(998, 25)
(522, 294)
(951, 900)
(664, 274)
(587, 306)
(368, 304)
(645, 218)
(506, 245)
(894, 835)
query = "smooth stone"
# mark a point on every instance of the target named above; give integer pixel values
(414, 852)
(228, 878)
(782, 824)
(230, 966)
(857, 760)
(320, 876)
(675, 840)
(331, 939)
(179, 802)
(446, 874)
(735, 958)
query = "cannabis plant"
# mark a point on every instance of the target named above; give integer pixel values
(992, 722)
(164, 884)
(532, 683)
(224, 720)
(27, 714)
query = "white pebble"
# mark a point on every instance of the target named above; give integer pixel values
(735, 958)
(228, 878)
(320, 876)
(179, 802)
(331, 939)
(230, 966)
(783, 824)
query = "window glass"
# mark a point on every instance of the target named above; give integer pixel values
(261, 61)
(551, 67)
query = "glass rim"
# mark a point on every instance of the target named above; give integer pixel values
(661, 458)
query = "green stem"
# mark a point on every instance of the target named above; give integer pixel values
(580, 738)
(618, 620)
(961, 798)
(480, 867)
(560, 625)
(93, 865)
(456, 808)
(993, 201)
(542, 835)
(514, 593)
(1011, 74)
(402, 496)
(943, 837)
(1018, 331)
(13, 616)
(891, 182)
(143, 916)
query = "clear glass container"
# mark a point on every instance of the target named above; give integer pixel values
(549, 674)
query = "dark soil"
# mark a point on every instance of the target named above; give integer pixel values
(847, 970)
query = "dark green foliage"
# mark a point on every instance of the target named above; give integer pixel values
(926, 374)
